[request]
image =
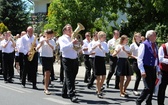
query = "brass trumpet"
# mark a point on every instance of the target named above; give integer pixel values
(75, 35)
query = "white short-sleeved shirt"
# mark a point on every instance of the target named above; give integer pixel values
(46, 50)
(19, 45)
(85, 45)
(90, 50)
(122, 54)
(101, 52)
(134, 49)
(0, 45)
(9, 48)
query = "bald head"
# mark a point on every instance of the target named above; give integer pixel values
(30, 31)
(23, 33)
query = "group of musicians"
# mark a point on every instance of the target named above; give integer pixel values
(148, 61)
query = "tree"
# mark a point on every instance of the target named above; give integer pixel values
(93, 14)
(145, 15)
(3, 28)
(14, 15)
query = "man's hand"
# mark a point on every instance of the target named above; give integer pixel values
(74, 41)
(158, 73)
(99, 45)
(143, 75)
(93, 53)
(9, 38)
(47, 41)
(85, 49)
(29, 53)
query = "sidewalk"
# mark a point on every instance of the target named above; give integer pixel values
(81, 71)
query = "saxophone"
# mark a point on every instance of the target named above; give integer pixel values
(32, 50)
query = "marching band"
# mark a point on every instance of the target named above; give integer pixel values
(146, 61)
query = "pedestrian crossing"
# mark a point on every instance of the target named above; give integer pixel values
(58, 101)
(13, 88)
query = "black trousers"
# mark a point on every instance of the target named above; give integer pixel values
(1, 61)
(88, 68)
(93, 76)
(61, 70)
(138, 74)
(113, 63)
(52, 70)
(21, 63)
(8, 59)
(162, 88)
(71, 70)
(149, 85)
(31, 68)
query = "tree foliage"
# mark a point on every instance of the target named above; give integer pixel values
(144, 15)
(14, 15)
(93, 14)
(3, 28)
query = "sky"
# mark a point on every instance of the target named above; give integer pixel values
(29, 5)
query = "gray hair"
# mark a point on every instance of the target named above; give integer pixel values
(149, 33)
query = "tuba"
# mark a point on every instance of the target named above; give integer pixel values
(75, 35)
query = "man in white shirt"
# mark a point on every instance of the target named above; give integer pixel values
(70, 62)
(21, 52)
(113, 59)
(163, 59)
(1, 38)
(85, 52)
(148, 65)
(8, 46)
(30, 67)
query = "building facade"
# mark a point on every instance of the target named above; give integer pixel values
(41, 6)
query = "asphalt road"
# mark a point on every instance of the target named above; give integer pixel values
(14, 94)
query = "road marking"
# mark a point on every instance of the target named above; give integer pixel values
(57, 101)
(11, 89)
(16, 88)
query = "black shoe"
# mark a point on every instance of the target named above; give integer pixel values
(116, 87)
(20, 80)
(64, 96)
(102, 88)
(76, 82)
(137, 102)
(43, 81)
(35, 87)
(86, 81)
(52, 79)
(100, 95)
(23, 86)
(90, 87)
(5, 81)
(1, 72)
(61, 82)
(10, 81)
(74, 99)
(107, 85)
(124, 95)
